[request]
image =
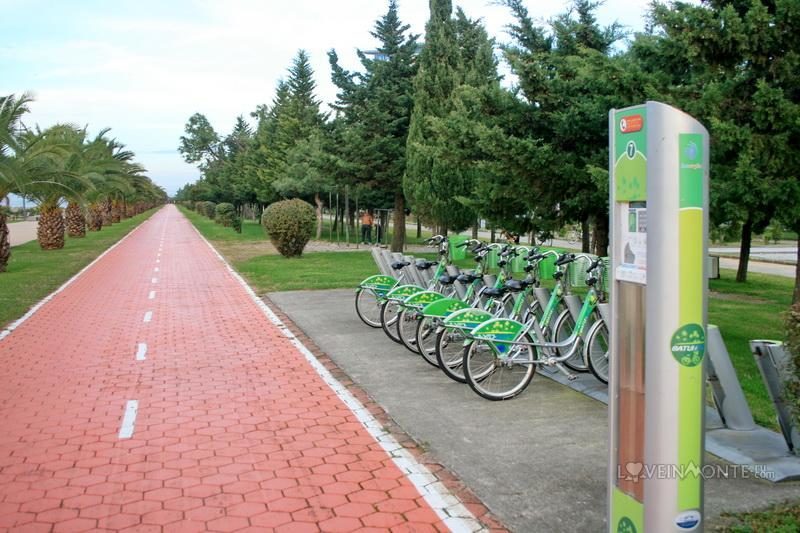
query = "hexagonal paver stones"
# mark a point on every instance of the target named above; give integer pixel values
(235, 427)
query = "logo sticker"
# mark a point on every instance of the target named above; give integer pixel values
(688, 520)
(631, 124)
(689, 344)
(626, 525)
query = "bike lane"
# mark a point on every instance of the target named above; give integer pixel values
(155, 392)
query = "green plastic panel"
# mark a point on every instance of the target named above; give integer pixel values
(467, 318)
(404, 291)
(443, 308)
(421, 299)
(457, 253)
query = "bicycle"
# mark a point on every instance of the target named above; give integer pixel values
(500, 362)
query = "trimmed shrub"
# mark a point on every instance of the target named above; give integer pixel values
(225, 214)
(200, 207)
(289, 225)
(237, 225)
(210, 210)
(793, 348)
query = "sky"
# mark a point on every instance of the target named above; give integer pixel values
(143, 67)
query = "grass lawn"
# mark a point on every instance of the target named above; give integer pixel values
(783, 518)
(34, 273)
(753, 310)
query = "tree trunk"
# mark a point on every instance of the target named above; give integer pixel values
(795, 299)
(76, 222)
(5, 243)
(419, 229)
(318, 201)
(95, 217)
(491, 235)
(116, 212)
(399, 237)
(601, 236)
(744, 250)
(585, 236)
(50, 232)
(107, 221)
(475, 230)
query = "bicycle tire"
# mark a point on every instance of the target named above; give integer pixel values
(495, 377)
(407, 329)
(450, 353)
(366, 303)
(562, 330)
(597, 350)
(426, 340)
(389, 316)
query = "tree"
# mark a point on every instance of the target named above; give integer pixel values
(375, 109)
(745, 58)
(12, 108)
(431, 184)
(570, 78)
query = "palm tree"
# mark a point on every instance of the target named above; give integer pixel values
(11, 111)
(59, 181)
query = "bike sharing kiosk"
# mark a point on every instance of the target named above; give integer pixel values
(658, 159)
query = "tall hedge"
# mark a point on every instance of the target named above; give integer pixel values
(225, 214)
(289, 225)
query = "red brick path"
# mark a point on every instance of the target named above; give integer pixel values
(234, 428)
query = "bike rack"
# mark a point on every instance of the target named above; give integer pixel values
(773, 361)
(725, 388)
(379, 256)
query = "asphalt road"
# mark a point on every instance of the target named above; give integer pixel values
(22, 232)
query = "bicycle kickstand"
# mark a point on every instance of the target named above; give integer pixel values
(564, 370)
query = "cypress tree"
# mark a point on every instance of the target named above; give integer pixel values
(375, 108)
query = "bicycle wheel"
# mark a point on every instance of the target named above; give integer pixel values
(368, 308)
(562, 330)
(389, 312)
(597, 349)
(426, 339)
(450, 353)
(407, 329)
(499, 376)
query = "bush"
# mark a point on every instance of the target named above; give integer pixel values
(225, 214)
(210, 210)
(793, 349)
(289, 224)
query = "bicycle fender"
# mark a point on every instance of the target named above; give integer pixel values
(466, 318)
(498, 330)
(421, 299)
(378, 283)
(443, 308)
(403, 291)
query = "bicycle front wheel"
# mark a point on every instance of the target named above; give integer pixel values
(389, 313)
(407, 329)
(562, 331)
(368, 307)
(426, 339)
(597, 350)
(499, 372)
(450, 353)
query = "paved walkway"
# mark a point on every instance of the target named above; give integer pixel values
(154, 394)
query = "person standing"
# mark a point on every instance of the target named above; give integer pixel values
(366, 227)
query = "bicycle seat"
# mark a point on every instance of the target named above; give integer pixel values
(494, 292)
(446, 279)
(515, 285)
(398, 265)
(424, 265)
(467, 278)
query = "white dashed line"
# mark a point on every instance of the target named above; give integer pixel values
(141, 352)
(129, 419)
(152, 295)
(148, 316)
(155, 269)
(155, 280)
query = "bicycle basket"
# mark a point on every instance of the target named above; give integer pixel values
(577, 272)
